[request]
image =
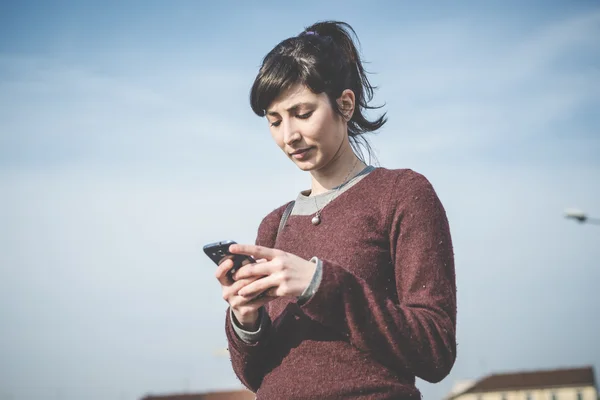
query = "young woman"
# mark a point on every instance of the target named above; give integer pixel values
(355, 296)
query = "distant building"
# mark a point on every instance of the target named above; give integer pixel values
(559, 384)
(231, 395)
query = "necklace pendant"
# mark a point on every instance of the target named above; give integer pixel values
(316, 220)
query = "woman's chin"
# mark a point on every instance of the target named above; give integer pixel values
(306, 165)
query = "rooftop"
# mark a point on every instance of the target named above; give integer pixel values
(228, 395)
(532, 380)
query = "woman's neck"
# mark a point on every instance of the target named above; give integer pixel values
(338, 172)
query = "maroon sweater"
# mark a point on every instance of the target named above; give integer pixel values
(385, 310)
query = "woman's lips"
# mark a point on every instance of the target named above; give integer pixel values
(301, 154)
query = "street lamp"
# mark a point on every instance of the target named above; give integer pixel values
(221, 352)
(580, 216)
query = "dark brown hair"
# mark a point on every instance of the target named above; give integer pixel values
(325, 59)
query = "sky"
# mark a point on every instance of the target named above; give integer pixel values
(127, 142)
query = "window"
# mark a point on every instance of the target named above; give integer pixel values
(553, 396)
(579, 395)
(504, 396)
(528, 396)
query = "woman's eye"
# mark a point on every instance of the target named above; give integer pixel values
(275, 123)
(305, 116)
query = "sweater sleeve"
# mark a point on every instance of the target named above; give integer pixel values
(248, 358)
(416, 331)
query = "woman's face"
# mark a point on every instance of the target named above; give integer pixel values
(306, 127)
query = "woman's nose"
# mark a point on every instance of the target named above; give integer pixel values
(290, 133)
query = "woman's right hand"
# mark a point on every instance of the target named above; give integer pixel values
(245, 310)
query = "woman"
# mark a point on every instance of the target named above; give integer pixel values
(355, 296)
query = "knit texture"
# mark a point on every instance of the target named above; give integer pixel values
(385, 311)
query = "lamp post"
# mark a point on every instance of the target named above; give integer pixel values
(221, 352)
(580, 216)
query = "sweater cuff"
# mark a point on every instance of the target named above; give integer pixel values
(314, 284)
(251, 336)
(327, 304)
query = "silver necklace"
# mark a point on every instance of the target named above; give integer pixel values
(316, 220)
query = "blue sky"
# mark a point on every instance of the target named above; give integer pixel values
(127, 142)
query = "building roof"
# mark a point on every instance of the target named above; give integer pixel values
(533, 380)
(231, 395)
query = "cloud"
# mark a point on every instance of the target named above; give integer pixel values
(457, 90)
(56, 113)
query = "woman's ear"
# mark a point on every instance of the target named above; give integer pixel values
(346, 103)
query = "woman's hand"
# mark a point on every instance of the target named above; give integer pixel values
(279, 274)
(245, 309)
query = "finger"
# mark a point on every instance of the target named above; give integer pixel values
(255, 288)
(237, 265)
(255, 303)
(222, 270)
(272, 292)
(224, 259)
(246, 262)
(254, 251)
(255, 270)
(230, 291)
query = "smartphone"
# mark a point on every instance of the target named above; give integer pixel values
(219, 251)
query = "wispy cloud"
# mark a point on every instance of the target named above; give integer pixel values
(73, 114)
(491, 91)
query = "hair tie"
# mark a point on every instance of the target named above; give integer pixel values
(310, 33)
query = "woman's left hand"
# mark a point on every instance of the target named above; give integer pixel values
(283, 274)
